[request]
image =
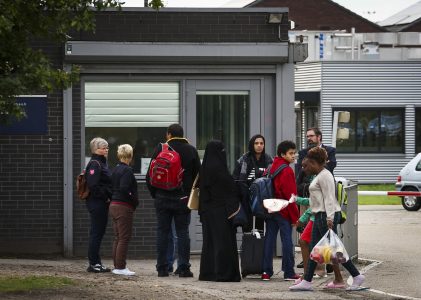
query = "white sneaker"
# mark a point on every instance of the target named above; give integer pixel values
(125, 272)
(356, 283)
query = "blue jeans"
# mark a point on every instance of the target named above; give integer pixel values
(172, 242)
(274, 224)
(319, 230)
(98, 212)
(168, 210)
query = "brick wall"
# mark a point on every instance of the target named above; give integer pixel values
(416, 27)
(31, 182)
(184, 27)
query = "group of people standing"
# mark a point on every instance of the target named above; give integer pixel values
(222, 196)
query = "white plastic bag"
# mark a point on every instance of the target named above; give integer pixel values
(329, 250)
(275, 205)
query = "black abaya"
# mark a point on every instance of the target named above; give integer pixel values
(219, 259)
(218, 200)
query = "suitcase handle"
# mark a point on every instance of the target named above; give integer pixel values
(255, 231)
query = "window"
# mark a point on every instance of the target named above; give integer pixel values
(223, 115)
(136, 113)
(373, 131)
(418, 130)
(418, 167)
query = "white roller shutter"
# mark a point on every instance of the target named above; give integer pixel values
(131, 104)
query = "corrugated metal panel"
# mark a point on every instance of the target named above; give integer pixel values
(308, 77)
(410, 131)
(131, 104)
(371, 84)
(370, 170)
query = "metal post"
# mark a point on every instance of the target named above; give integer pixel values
(67, 171)
(334, 128)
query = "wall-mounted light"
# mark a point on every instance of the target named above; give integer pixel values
(275, 18)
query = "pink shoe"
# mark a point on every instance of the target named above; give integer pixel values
(333, 285)
(304, 285)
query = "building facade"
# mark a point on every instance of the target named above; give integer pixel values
(220, 73)
(376, 77)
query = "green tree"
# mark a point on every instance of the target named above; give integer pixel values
(25, 69)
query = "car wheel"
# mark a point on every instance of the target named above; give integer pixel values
(411, 203)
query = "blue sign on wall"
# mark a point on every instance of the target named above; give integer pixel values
(36, 117)
(321, 45)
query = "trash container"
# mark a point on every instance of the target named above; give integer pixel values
(349, 229)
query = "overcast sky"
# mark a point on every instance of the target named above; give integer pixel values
(374, 10)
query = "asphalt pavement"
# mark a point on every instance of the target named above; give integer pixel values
(389, 253)
(392, 236)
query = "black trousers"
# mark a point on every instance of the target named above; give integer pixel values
(98, 212)
(319, 230)
(168, 210)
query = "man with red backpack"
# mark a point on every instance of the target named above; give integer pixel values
(173, 168)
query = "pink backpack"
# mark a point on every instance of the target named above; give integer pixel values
(165, 171)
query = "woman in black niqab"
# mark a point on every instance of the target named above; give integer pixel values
(218, 201)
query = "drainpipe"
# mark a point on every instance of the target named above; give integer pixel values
(352, 42)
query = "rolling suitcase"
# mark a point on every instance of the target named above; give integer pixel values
(252, 248)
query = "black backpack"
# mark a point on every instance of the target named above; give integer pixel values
(261, 189)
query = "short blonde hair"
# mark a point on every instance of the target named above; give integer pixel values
(97, 143)
(124, 152)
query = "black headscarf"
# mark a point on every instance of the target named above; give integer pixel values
(217, 186)
(214, 163)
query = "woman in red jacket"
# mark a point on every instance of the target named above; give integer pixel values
(284, 187)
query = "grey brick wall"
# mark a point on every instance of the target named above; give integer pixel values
(31, 183)
(184, 27)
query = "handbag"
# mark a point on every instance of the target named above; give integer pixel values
(193, 203)
(239, 219)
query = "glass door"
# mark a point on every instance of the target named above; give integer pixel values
(224, 110)
(223, 115)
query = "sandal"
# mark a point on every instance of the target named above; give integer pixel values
(333, 285)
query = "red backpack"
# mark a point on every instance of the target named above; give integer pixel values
(165, 171)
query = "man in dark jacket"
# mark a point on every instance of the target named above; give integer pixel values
(172, 205)
(314, 139)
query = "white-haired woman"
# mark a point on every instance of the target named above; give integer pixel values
(98, 177)
(123, 203)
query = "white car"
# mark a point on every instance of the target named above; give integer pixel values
(409, 179)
